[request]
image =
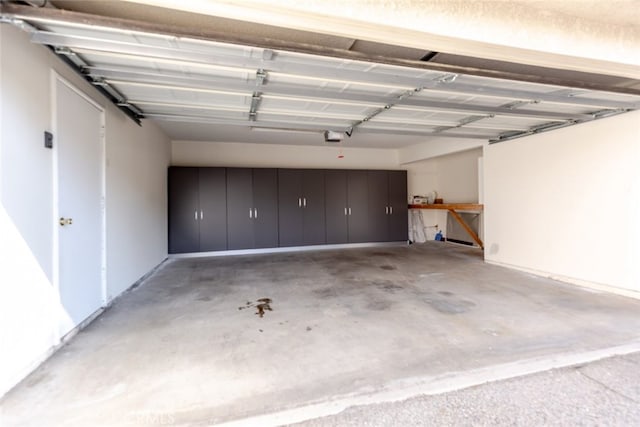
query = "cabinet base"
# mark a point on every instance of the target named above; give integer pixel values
(288, 249)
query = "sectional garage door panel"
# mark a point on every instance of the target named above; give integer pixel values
(171, 78)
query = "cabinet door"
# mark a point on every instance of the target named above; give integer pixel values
(239, 209)
(357, 199)
(335, 206)
(313, 207)
(213, 209)
(398, 220)
(265, 203)
(183, 210)
(290, 211)
(378, 185)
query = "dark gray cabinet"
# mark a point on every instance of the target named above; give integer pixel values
(301, 207)
(337, 226)
(398, 209)
(184, 229)
(239, 208)
(346, 206)
(378, 185)
(197, 209)
(265, 199)
(357, 206)
(213, 209)
(252, 210)
(388, 214)
(366, 206)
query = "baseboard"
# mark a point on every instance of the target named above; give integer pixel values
(287, 249)
(461, 243)
(135, 284)
(591, 286)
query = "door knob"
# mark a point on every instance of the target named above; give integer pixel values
(66, 221)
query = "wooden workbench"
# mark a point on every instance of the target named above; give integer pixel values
(453, 208)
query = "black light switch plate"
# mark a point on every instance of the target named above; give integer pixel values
(48, 140)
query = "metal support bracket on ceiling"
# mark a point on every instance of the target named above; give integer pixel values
(255, 102)
(517, 104)
(116, 97)
(256, 97)
(464, 122)
(387, 106)
(261, 77)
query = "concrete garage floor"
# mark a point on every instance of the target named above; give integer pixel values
(353, 326)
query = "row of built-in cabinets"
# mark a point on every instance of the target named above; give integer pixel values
(213, 209)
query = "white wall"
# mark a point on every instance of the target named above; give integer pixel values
(437, 147)
(194, 153)
(567, 203)
(137, 161)
(137, 158)
(453, 176)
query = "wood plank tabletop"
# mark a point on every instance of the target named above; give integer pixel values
(451, 206)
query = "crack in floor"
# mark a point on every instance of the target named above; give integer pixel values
(619, 393)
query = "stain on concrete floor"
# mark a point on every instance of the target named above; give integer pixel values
(262, 305)
(387, 286)
(450, 305)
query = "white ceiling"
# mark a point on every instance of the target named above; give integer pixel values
(203, 90)
(615, 12)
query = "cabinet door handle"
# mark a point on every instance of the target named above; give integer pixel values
(299, 202)
(386, 210)
(250, 213)
(390, 210)
(195, 214)
(304, 202)
(349, 211)
(201, 214)
(345, 211)
(255, 213)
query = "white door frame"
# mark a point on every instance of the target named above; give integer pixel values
(55, 78)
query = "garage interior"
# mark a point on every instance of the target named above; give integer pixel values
(96, 302)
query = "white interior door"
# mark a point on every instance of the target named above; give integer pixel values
(79, 129)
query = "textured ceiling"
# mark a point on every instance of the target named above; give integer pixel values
(614, 12)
